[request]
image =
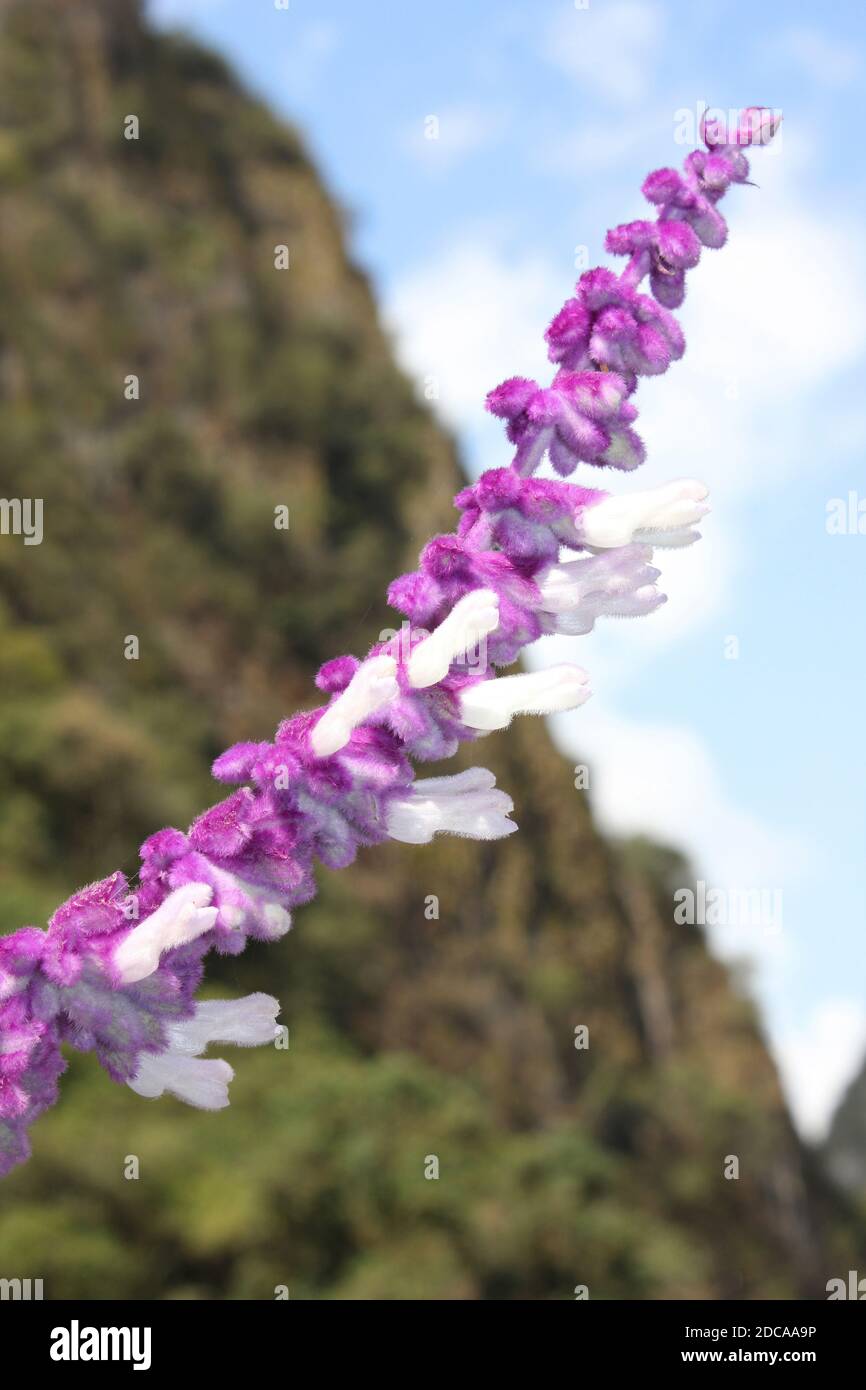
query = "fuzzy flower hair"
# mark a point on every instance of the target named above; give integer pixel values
(117, 971)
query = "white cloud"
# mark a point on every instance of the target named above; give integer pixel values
(768, 321)
(819, 1058)
(610, 48)
(460, 131)
(829, 62)
(599, 141)
(471, 319)
(697, 581)
(661, 779)
(591, 147)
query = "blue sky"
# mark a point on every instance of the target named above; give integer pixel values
(549, 115)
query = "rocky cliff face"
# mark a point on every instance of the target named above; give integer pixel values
(418, 1029)
(844, 1149)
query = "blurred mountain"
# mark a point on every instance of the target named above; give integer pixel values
(452, 1036)
(844, 1149)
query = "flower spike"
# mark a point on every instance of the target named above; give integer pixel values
(117, 972)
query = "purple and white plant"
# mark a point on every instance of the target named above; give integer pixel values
(116, 971)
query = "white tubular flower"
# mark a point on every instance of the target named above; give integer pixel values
(183, 916)
(617, 583)
(246, 1022)
(203, 1082)
(373, 684)
(663, 515)
(492, 704)
(469, 803)
(473, 616)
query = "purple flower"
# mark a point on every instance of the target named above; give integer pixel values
(527, 518)
(609, 326)
(450, 568)
(582, 417)
(664, 250)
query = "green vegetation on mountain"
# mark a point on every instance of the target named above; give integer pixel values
(410, 1037)
(844, 1149)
